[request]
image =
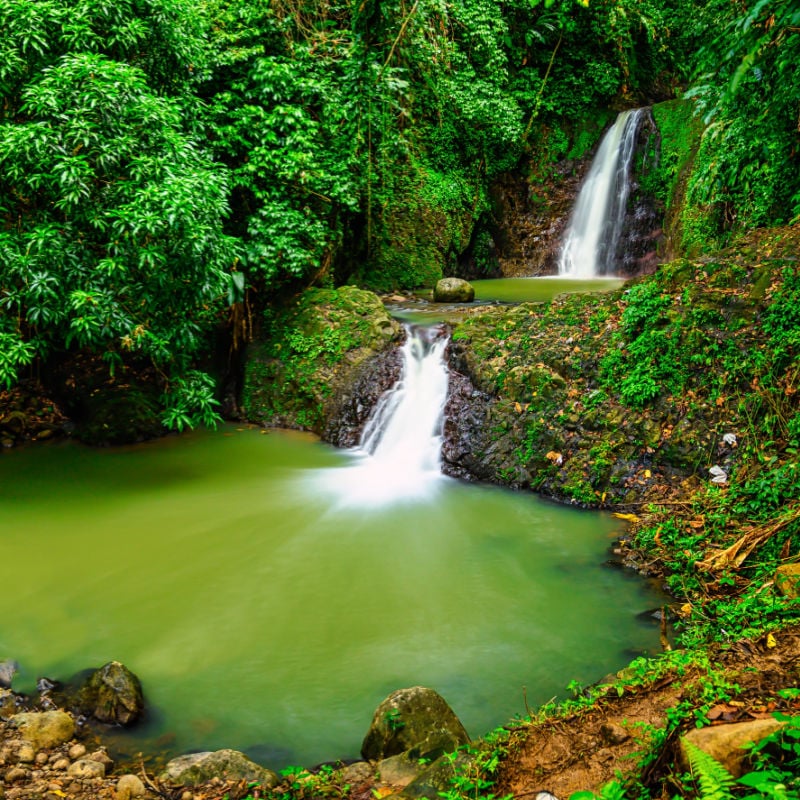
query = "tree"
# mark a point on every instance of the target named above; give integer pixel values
(111, 214)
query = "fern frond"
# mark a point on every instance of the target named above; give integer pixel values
(714, 780)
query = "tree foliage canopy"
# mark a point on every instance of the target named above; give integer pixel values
(152, 152)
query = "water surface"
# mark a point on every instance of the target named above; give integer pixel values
(261, 614)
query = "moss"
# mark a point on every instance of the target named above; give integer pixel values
(681, 131)
(311, 349)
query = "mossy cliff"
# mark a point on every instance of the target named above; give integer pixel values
(301, 373)
(607, 400)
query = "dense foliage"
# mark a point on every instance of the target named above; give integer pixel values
(161, 160)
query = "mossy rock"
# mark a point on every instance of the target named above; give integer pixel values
(296, 375)
(417, 721)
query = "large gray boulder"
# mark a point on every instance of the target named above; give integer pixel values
(112, 694)
(45, 729)
(415, 720)
(225, 764)
(453, 290)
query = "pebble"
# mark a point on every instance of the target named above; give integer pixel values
(26, 754)
(77, 751)
(129, 787)
(87, 768)
(42, 758)
(102, 758)
(16, 774)
(61, 764)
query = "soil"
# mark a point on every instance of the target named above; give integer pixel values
(587, 749)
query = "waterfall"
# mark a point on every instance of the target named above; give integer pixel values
(590, 244)
(399, 455)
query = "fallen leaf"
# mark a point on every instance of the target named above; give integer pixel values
(771, 641)
(629, 517)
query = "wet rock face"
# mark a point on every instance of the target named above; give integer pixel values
(357, 400)
(112, 694)
(642, 234)
(530, 218)
(415, 720)
(464, 441)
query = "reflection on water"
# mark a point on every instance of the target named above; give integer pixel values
(262, 617)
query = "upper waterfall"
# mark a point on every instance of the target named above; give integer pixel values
(399, 455)
(590, 244)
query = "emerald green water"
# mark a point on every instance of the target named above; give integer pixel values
(260, 614)
(422, 311)
(529, 290)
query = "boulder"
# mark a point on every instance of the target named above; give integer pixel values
(112, 694)
(226, 764)
(787, 580)
(725, 743)
(453, 290)
(45, 729)
(417, 720)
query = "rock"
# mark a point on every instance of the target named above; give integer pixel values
(112, 694)
(453, 290)
(360, 772)
(26, 754)
(44, 729)
(8, 669)
(725, 742)
(614, 733)
(61, 764)
(102, 757)
(87, 768)
(77, 751)
(787, 580)
(399, 770)
(226, 764)
(15, 774)
(128, 787)
(435, 781)
(416, 720)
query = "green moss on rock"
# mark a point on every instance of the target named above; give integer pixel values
(312, 350)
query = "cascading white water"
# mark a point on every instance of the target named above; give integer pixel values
(399, 456)
(590, 245)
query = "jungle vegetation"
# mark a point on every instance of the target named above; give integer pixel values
(168, 165)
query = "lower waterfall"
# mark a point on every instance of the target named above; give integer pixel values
(399, 454)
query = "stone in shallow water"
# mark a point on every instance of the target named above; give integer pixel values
(112, 694)
(8, 669)
(453, 290)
